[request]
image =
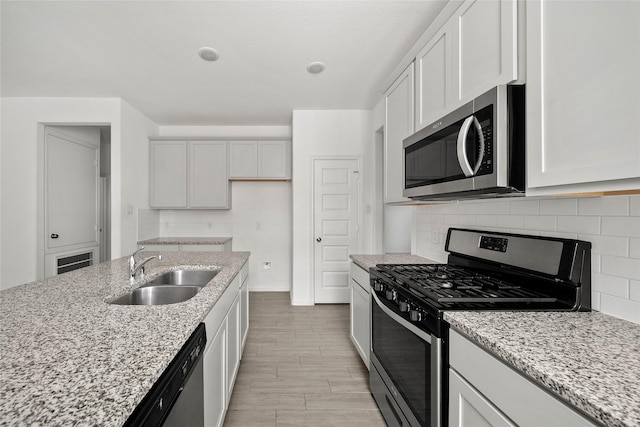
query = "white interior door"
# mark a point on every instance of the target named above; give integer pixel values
(336, 227)
(71, 192)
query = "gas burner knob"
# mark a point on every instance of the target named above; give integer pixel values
(391, 294)
(404, 306)
(378, 286)
(415, 315)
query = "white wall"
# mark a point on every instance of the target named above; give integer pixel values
(315, 134)
(133, 175)
(22, 120)
(611, 224)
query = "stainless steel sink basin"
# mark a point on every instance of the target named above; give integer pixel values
(184, 278)
(157, 295)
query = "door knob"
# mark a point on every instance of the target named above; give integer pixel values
(54, 236)
(318, 239)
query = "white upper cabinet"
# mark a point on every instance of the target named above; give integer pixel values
(398, 125)
(485, 46)
(209, 185)
(583, 96)
(475, 50)
(434, 79)
(265, 159)
(188, 174)
(168, 174)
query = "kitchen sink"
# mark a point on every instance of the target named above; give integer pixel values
(184, 278)
(157, 295)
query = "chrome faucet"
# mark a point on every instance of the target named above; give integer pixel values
(132, 260)
(139, 267)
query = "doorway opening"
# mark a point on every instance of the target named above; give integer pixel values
(74, 202)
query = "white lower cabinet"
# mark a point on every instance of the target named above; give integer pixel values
(484, 391)
(472, 409)
(222, 353)
(360, 308)
(215, 400)
(244, 306)
(233, 345)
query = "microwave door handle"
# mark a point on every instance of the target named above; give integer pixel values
(462, 152)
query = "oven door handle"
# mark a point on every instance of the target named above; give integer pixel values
(405, 323)
(463, 159)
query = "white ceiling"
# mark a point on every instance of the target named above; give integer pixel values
(146, 52)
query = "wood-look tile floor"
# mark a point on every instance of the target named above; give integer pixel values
(299, 368)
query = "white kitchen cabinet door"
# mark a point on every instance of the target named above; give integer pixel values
(398, 125)
(215, 386)
(209, 185)
(168, 174)
(583, 96)
(243, 159)
(274, 159)
(233, 344)
(360, 312)
(244, 306)
(469, 408)
(485, 46)
(264, 159)
(434, 78)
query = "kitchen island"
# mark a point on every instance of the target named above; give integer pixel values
(68, 357)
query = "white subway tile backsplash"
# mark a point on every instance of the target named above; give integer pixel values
(634, 205)
(524, 207)
(634, 248)
(610, 285)
(620, 307)
(609, 206)
(579, 224)
(511, 221)
(621, 267)
(540, 223)
(500, 208)
(611, 224)
(607, 245)
(634, 290)
(595, 301)
(621, 226)
(559, 207)
(486, 221)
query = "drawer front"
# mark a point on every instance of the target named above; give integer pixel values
(360, 276)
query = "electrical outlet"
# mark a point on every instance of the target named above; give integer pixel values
(266, 265)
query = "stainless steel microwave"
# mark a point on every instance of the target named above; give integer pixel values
(476, 151)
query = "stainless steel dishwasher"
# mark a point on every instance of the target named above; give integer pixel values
(176, 399)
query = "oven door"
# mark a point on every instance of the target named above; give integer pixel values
(407, 367)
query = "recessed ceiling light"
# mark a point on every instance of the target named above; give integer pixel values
(316, 67)
(208, 54)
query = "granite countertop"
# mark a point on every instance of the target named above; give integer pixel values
(589, 359)
(185, 241)
(368, 261)
(67, 357)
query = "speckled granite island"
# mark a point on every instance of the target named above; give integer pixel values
(591, 360)
(68, 357)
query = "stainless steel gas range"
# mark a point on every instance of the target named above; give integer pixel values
(484, 271)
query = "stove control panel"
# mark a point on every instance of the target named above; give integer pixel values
(497, 244)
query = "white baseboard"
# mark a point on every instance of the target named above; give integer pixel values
(271, 287)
